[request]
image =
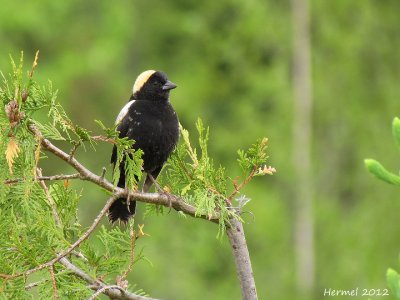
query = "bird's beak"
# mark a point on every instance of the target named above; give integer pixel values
(168, 86)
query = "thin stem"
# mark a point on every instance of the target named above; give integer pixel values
(234, 229)
(49, 198)
(103, 172)
(114, 292)
(242, 260)
(104, 289)
(79, 255)
(45, 178)
(243, 183)
(103, 139)
(96, 221)
(53, 281)
(73, 150)
(132, 258)
(35, 284)
(155, 198)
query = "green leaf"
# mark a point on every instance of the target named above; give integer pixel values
(380, 172)
(393, 281)
(110, 132)
(396, 130)
(186, 189)
(82, 133)
(254, 157)
(133, 168)
(50, 132)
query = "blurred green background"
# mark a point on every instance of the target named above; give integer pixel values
(232, 61)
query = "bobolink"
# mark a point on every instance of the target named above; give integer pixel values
(150, 120)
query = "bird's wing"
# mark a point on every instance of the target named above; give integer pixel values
(124, 111)
(114, 155)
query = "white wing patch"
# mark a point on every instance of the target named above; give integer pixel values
(141, 80)
(123, 112)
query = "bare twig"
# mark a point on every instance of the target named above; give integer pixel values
(45, 178)
(35, 62)
(79, 273)
(242, 259)
(217, 193)
(105, 288)
(132, 233)
(35, 284)
(234, 230)
(103, 172)
(242, 184)
(155, 198)
(73, 150)
(79, 255)
(39, 282)
(49, 198)
(114, 292)
(53, 281)
(96, 221)
(104, 139)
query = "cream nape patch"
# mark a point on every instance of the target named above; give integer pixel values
(141, 80)
(123, 112)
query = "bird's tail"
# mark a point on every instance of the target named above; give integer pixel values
(120, 209)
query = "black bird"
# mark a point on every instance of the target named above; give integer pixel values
(150, 120)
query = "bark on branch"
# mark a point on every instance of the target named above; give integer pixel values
(85, 174)
(235, 230)
(114, 292)
(242, 260)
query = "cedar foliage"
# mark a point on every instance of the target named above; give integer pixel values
(380, 172)
(30, 233)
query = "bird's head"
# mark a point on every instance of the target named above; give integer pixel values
(152, 85)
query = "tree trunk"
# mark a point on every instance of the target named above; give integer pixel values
(242, 259)
(302, 120)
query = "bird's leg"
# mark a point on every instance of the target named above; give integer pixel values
(128, 198)
(151, 180)
(154, 181)
(147, 184)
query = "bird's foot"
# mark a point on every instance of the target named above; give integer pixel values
(162, 191)
(128, 198)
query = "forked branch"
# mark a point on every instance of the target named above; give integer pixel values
(234, 229)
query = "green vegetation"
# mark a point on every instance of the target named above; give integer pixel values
(373, 166)
(232, 63)
(40, 218)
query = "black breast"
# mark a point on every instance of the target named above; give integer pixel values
(154, 126)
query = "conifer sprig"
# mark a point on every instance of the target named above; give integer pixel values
(38, 213)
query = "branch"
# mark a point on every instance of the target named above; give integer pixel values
(50, 263)
(104, 289)
(243, 183)
(112, 291)
(242, 259)
(51, 201)
(39, 282)
(53, 281)
(35, 284)
(234, 230)
(45, 178)
(104, 139)
(79, 255)
(85, 174)
(121, 279)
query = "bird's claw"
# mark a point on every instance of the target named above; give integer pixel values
(162, 192)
